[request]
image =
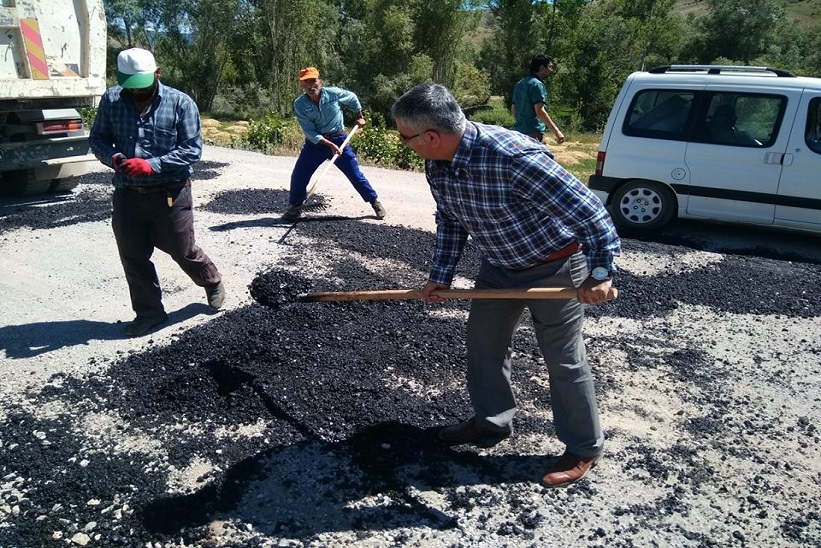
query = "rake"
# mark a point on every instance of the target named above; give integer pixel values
(312, 187)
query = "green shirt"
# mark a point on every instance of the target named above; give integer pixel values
(527, 92)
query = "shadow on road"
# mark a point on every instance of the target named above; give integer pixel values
(32, 339)
(373, 480)
(735, 239)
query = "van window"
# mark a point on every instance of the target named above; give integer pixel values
(721, 118)
(659, 114)
(812, 134)
(739, 119)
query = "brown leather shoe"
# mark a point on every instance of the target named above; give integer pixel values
(568, 469)
(470, 432)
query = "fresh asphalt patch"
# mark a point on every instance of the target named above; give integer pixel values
(287, 423)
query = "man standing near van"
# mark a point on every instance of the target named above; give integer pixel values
(529, 102)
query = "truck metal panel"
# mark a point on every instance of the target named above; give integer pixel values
(52, 61)
(52, 49)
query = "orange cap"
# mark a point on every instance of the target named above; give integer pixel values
(308, 73)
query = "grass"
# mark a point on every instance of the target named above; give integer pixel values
(578, 153)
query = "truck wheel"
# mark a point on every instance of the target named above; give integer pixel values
(643, 205)
(18, 183)
(64, 185)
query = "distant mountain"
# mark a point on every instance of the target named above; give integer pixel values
(808, 12)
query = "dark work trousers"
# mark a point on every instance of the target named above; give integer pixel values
(558, 327)
(312, 156)
(145, 220)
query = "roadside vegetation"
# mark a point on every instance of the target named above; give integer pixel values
(378, 144)
(238, 59)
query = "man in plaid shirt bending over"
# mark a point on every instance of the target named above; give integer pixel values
(535, 225)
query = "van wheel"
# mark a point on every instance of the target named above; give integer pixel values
(643, 205)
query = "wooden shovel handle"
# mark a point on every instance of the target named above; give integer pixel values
(312, 188)
(399, 294)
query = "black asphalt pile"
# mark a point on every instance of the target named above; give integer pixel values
(257, 201)
(91, 203)
(740, 284)
(366, 383)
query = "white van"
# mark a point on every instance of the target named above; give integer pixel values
(726, 143)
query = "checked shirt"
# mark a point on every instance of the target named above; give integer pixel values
(518, 205)
(168, 136)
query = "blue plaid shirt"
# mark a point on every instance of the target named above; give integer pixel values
(326, 117)
(168, 136)
(517, 204)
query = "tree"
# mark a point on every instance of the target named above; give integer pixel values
(273, 40)
(191, 44)
(440, 30)
(505, 55)
(600, 55)
(738, 29)
(125, 19)
(653, 28)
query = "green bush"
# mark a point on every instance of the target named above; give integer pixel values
(267, 134)
(374, 144)
(494, 113)
(88, 114)
(381, 146)
(472, 85)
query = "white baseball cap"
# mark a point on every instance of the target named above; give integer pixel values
(136, 68)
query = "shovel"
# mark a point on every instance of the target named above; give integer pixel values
(312, 188)
(405, 294)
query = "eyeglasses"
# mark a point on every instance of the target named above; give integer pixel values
(405, 140)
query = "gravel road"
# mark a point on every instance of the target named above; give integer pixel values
(278, 423)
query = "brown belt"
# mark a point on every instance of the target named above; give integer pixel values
(562, 253)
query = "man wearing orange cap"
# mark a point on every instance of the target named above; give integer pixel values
(319, 113)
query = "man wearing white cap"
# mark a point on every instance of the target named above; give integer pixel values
(150, 135)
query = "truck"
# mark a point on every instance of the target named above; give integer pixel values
(52, 62)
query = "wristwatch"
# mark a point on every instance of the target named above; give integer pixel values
(600, 274)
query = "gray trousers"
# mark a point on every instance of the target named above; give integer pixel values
(558, 326)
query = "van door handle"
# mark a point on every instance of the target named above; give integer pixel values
(778, 158)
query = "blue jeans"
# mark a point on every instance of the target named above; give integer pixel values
(312, 156)
(558, 327)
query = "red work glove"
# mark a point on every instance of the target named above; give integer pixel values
(136, 167)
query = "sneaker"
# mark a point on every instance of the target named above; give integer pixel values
(379, 209)
(293, 213)
(216, 295)
(144, 324)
